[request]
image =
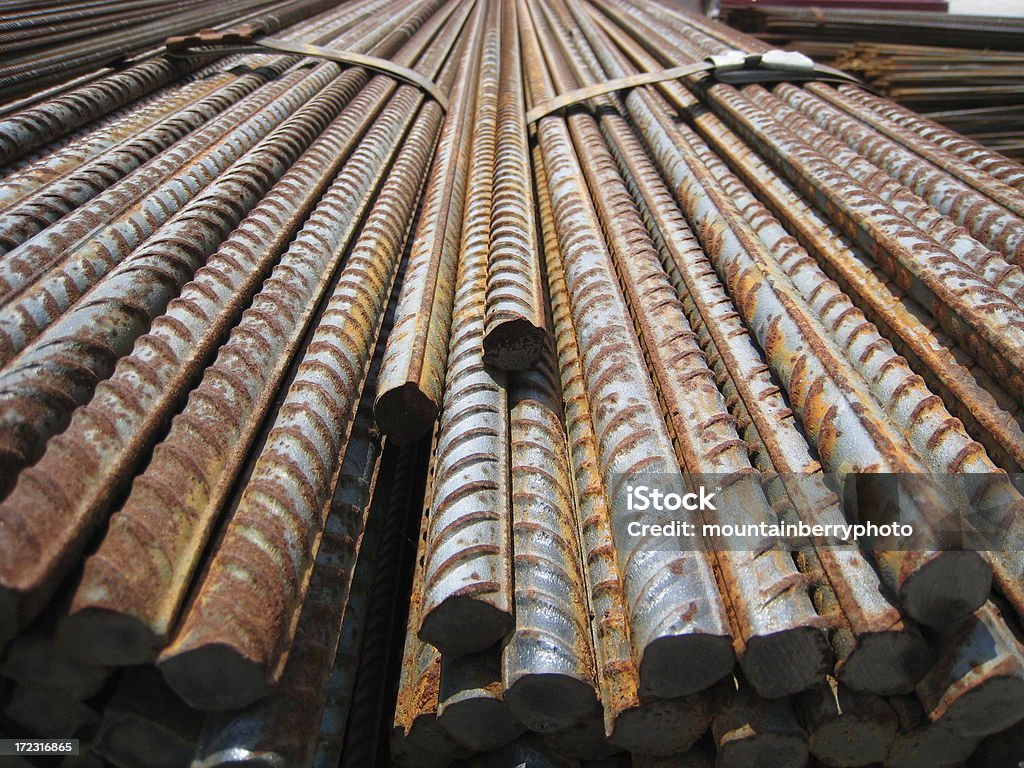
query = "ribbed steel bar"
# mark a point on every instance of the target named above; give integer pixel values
(138, 285)
(22, 74)
(665, 727)
(987, 185)
(514, 325)
(937, 437)
(873, 647)
(412, 377)
(144, 388)
(839, 415)
(992, 265)
(78, 185)
(959, 386)
(282, 729)
(680, 633)
(468, 601)
(417, 741)
(994, 223)
(782, 646)
(109, 132)
(282, 503)
(935, 276)
(548, 671)
(29, 261)
(992, 163)
(99, 236)
(42, 123)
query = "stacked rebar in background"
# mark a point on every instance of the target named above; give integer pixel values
(319, 399)
(963, 72)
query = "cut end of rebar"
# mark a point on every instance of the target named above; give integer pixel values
(213, 677)
(784, 663)
(683, 664)
(550, 702)
(662, 728)
(462, 625)
(480, 724)
(946, 589)
(886, 663)
(515, 345)
(853, 741)
(109, 638)
(989, 707)
(405, 413)
(768, 749)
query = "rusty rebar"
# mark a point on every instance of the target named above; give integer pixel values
(783, 647)
(664, 727)
(284, 727)
(468, 600)
(680, 634)
(515, 333)
(145, 388)
(412, 378)
(838, 413)
(283, 500)
(548, 663)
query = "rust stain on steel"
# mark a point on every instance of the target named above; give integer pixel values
(515, 333)
(617, 675)
(111, 133)
(874, 636)
(838, 413)
(467, 603)
(28, 263)
(680, 634)
(31, 128)
(127, 603)
(412, 378)
(548, 661)
(942, 285)
(285, 725)
(782, 645)
(209, 440)
(882, 302)
(940, 176)
(75, 478)
(417, 741)
(274, 529)
(1007, 278)
(969, 307)
(81, 347)
(994, 164)
(56, 199)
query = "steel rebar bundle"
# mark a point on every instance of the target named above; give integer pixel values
(325, 403)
